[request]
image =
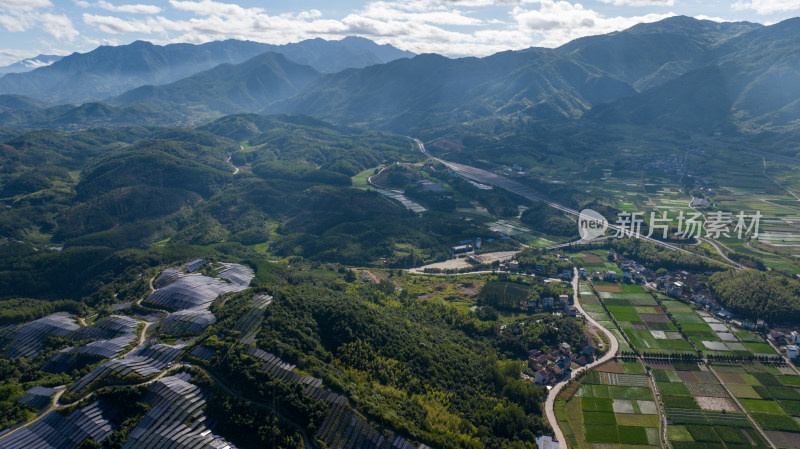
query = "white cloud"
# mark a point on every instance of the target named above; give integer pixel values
(57, 25)
(640, 2)
(764, 7)
(24, 5)
(449, 27)
(133, 9)
(558, 22)
(117, 25)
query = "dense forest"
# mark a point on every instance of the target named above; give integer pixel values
(772, 297)
(137, 187)
(434, 371)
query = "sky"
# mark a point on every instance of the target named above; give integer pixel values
(449, 27)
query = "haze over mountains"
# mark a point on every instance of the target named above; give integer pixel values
(28, 64)
(110, 71)
(679, 72)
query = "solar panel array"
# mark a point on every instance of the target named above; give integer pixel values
(203, 352)
(27, 340)
(178, 291)
(176, 419)
(78, 357)
(145, 361)
(250, 323)
(187, 322)
(280, 369)
(238, 274)
(169, 276)
(54, 431)
(107, 328)
(38, 397)
(115, 333)
(344, 428)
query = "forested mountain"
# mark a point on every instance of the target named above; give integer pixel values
(109, 71)
(650, 54)
(33, 115)
(432, 89)
(227, 88)
(749, 82)
(680, 71)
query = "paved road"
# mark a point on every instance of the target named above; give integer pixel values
(489, 178)
(549, 405)
(739, 404)
(714, 244)
(785, 358)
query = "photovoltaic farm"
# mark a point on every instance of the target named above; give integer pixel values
(186, 322)
(38, 397)
(176, 419)
(26, 340)
(112, 335)
(141, 363)
(54, 431)
(179, 291)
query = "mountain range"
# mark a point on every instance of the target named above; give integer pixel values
(109, 71)
(680, 72)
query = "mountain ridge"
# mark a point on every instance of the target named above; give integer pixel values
(108, 71)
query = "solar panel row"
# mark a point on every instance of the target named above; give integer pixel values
(54, 431)
(176, 419)
(145, 361)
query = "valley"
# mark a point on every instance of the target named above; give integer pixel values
(344, 244)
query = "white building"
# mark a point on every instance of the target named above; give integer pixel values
(546, 442)
(792, 351)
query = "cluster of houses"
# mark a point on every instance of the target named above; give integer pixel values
(555, 366)
(686, 286)
(789, 338)
(565, 303)
(632, 272)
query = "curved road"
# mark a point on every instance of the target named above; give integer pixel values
(489, 178)
(549, 405)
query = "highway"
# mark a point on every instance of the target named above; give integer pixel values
(489, 178)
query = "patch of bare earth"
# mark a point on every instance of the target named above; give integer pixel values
(717, 404)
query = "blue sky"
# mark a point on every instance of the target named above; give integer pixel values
(449, 27)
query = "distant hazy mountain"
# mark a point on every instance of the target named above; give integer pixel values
(334, 56)
(433, 90)
(28, 64)
(649, 54)
(87, 114)
(679, 72)
(110, 71)
(227, 88)
(751, 81)
(18, 102)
